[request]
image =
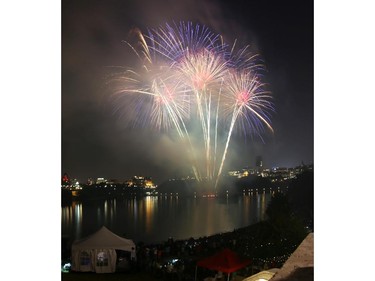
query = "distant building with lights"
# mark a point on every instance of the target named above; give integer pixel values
(65, 181)
(141, 181)
(259, 164)
(244, 172)
(68, 183)
(101, 181)
(234, 174)
(265, 173)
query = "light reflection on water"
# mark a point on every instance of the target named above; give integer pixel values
(155, 219)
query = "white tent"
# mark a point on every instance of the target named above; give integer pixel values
(97, 252)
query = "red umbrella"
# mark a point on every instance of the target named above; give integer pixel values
(225, 261)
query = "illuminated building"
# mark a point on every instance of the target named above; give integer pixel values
(234, 173)
(65, 180)
(259, 164)
(141, 181)
(149, 183)
(265, 173)
(101, 180)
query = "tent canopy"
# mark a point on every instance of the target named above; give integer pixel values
(104, 239)
(225, 261)
(97, 252)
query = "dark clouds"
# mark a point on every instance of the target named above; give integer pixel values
(94, 143)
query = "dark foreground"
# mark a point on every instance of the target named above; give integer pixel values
(265, 246)
(118, 276)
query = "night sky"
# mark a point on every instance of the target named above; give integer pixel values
(94, 141)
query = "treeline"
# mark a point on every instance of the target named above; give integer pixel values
(226, 185)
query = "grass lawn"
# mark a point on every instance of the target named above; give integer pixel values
(91, 276)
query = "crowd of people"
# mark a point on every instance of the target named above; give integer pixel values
(178, 258)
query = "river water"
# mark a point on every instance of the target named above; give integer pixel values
(155, 219)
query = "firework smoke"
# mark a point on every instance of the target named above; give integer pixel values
(187, 77)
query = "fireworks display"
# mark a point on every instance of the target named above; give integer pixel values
(190, 81)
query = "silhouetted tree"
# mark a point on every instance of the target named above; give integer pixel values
(301, 197)
(285, 225)
(278, 209)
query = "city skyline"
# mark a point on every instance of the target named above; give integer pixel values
(183, 175)
(94, 140)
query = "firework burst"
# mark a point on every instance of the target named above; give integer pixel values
(188, 76)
